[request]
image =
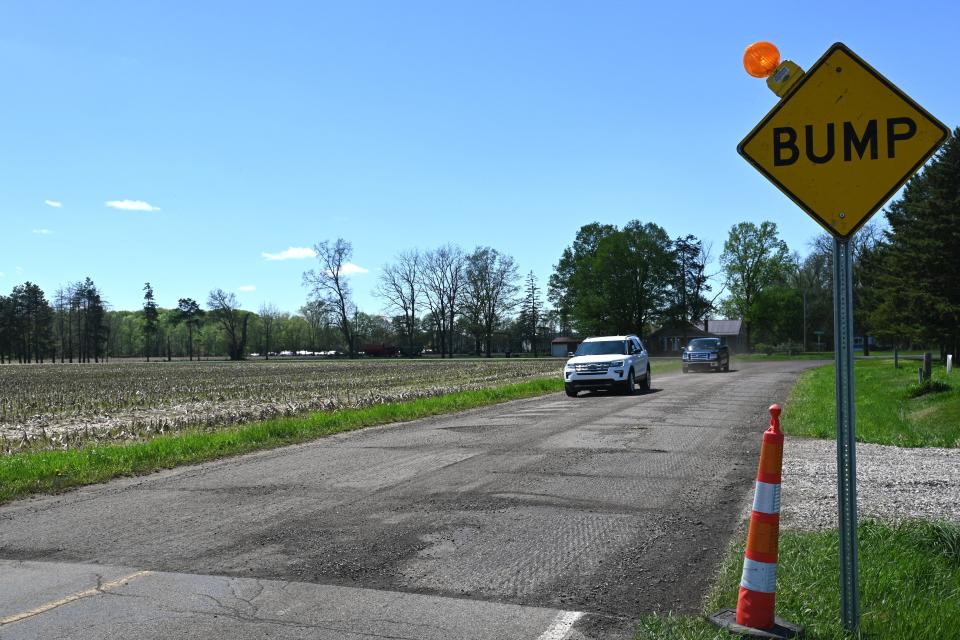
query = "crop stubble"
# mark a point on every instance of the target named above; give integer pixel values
(56, 406)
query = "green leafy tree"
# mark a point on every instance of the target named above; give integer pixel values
(754, 257)
(226, 312)
(614, 280)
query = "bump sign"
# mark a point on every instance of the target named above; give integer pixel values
(842, 141)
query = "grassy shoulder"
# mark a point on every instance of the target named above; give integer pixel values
(909, 580)
(885, 411)
(779, 357)
(27, 473)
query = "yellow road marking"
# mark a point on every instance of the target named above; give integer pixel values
(103, 588)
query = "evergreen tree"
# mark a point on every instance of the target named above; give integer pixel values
(917, 281)
(151, 316)
(188, 312)
(530, 312)
(31, 321)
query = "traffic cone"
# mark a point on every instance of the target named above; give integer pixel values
(758, 583)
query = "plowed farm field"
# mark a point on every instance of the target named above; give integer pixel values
(55, 405)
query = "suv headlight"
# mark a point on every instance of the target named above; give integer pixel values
(569, 367)
(714, 356)
(615, 363)
(686, 355)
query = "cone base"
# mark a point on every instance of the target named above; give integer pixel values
(727, 619)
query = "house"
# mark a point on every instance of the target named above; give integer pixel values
(731, 332)
(672, 337)
(561, 346)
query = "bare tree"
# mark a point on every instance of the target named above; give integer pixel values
(268, 318)
(400, 287)
(330, 284)
(225, 309)
(442, 279)
(491, 288)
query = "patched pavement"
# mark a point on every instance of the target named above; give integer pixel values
(503, 522)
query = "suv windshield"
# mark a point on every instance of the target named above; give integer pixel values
(704, 343)
(600, 348)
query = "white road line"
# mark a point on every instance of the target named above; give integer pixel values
(107, 586)
(561, 625)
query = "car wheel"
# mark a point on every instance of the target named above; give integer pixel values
(571, 390)
(630, 384)
(645, 385)
(726, 366)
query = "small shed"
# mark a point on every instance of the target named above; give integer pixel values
(560, 347)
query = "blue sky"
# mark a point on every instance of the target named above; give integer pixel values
(254, 127)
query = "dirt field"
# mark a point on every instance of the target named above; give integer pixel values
(54, 405)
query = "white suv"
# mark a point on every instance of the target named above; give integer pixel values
(608, 362)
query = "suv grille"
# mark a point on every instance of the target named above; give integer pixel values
(593, 367)
(699, 355)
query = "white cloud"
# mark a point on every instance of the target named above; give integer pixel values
(43, 232)
(349, 268)
(56, 204)
(131, 205)
(292, 253)
(247, 288)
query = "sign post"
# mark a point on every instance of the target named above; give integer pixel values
(841, 141)
(846, 431)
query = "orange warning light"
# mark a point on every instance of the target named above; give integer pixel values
(760, 59)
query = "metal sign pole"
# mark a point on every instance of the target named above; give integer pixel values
(846, 432)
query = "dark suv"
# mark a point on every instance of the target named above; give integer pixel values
(706, 354)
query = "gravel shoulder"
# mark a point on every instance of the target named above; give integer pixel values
(893, 483)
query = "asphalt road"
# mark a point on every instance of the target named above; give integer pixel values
(544, 518)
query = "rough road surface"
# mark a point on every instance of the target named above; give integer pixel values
(520, 520)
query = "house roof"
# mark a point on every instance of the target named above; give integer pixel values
(563, 340)
(723, 327)
(677, 329)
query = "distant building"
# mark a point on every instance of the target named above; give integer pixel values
(731, 333)
(672, 337)
(560, 347)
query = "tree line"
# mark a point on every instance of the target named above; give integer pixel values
(629, 279)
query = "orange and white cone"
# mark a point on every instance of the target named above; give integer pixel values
(758, 583)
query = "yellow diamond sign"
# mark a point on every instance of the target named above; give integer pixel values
(842, 141)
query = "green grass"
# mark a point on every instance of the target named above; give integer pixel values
(664, 365)
(909, 585)
(53, 471)
(885, 412)
(762, 357)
